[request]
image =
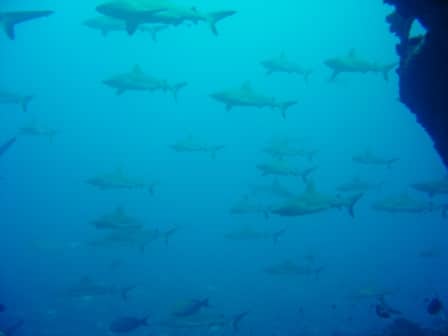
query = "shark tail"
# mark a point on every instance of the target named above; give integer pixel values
(215, 17)
(285, 106)
(306, 174)
(154, 33)
(391, 162)
(276, 236)
(176, 88)
(25, 102)
(352, 203)
(318, 271)
(236, 321)
(387, 69)
(169, 234)
(215, 150)
(124, 292)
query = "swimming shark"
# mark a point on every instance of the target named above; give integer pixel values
(247, 233)
(8, 20)
(191, 145)
(292, 269)
(117, 220)
(369, 158)
(119, 180)
(245, 206)
(33, 129)
(212, 323)
(13, 98)
(275, 188)
(311, 201)
(87, 289)
(283, 64)
(7, 145)
(189, 308)
(352, 63)
(281, 150)
(107, 25)
(131, 238)
(246, 96)
(282, 168)
(432, 187)
(136, 12)
(356, 185)
(405, 203)
(137, 80)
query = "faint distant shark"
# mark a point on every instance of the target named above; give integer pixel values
(7, 145)
(8, 20)
(353, 63)
(189, 145)
(107, 25)
(118, 180)
(32, 129)
(137, 80)
(369, 158)
(312, 201)
(283, 64)
(87, 289)
(117, 220)
(246, 96)
(404, 203)
(281, 168)
(356, 185)
(12, 98)
(137, 12)
(433, 187)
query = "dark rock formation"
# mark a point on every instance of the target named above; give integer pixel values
(423, 67)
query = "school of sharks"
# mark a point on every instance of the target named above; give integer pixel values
(286, 192)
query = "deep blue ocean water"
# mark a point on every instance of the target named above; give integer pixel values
(46, 205)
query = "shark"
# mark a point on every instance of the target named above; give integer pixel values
(432, 187)
(35, 130)
(291, 269)
(283, 64)
(117, 220)
(247, 233)
(356, 185)
(369, 158)
(213, 323)
(190, 145)
(137, 12)
(246, 206)
(281, 150)
(354, 64)
(86, 289)
(106, 25)
(9, 20)
(245, 96)
(311, 201)
(119, 180)
(405, 203)
(190, 307)
(7, 145)
(275, 188)
(282, 168)
(137, 80)
(15, 99)
(133, 238)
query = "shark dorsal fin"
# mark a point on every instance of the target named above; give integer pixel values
(137, 70)
(282, 55)
(352, 53)
(194, 9)
(247, 86)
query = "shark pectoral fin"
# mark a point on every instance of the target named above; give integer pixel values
(104, 32)
(229, 107)
(131, 27)
(8, 27)
(334, 75)
(119, 92)
(25, 102)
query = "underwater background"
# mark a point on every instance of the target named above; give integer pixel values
(47, 205)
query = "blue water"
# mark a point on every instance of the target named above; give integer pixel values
(46, 204)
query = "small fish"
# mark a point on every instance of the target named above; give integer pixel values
(127, 324)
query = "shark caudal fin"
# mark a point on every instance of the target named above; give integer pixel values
(170, 233)
(285, 106)
(236, 321)
(214, 150)
(124, 292)
(352, 203)
(306, 174)
(215, 17)
(391, 162)
(25, 102)
(276, 235)
(387, 69)
(176, 88)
